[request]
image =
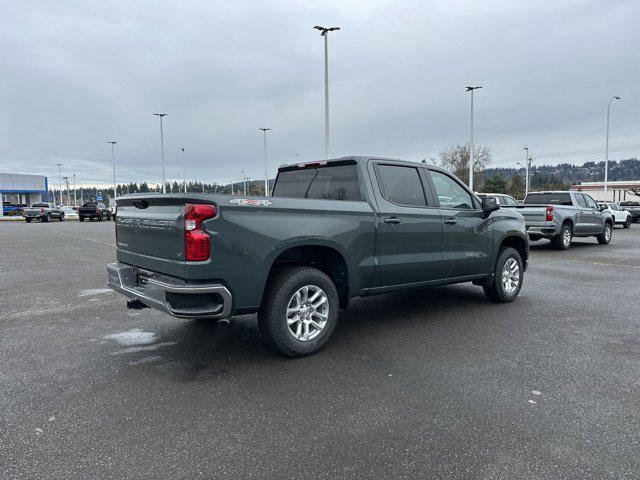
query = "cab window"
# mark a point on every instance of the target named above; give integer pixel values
(450, 193)
(401, 185)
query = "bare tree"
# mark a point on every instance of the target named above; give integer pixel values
(456, 160)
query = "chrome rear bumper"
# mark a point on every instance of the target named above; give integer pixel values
(168, 294)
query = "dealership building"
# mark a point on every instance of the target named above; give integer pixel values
(19, 189)
(618, 191)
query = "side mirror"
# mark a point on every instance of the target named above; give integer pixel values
(489, 204)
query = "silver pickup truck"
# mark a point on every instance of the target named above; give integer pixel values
(560, 216)
(43, 211)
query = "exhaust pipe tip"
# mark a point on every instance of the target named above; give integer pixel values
(223, 322)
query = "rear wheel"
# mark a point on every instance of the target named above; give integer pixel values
(299, 311)
(28, 220)
(508, 275)
(81, 218)
(627, 224)
(46, 218)
(99, 218)
(563, 240)
(605, 237)
(62, 217)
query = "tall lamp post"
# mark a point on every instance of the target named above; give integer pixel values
(113, 159)
(184, 170)
(161, 116)
(606, 149)
(324, 31)
(60, 177)
(471, 148)
(266, 177)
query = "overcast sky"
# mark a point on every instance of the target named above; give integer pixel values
(76, 74)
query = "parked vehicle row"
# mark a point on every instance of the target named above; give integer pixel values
(331, 231)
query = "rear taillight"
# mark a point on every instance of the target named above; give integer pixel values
(42, 210)
(549, 213)
(197, 245)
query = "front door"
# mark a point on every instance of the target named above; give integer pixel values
(410, 249)
(467, 236)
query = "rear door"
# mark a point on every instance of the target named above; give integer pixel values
(410, 248)
(594, 216)
(467, 236)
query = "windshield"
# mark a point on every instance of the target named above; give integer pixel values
(554, 198)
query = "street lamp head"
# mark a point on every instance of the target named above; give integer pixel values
(324, 30)
(616, 97)
(112, 142)
(471, 87)
(160, 114)
(264, 129)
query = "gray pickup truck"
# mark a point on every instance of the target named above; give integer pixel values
(42, 211)
(562, 215)
(331, 230)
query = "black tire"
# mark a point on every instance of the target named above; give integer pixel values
(605, 237)
(28, 220)
(563, 240)
(279, 293)
(81, 218)
(62, 217)
(91, 219)
(498, 291)
(626, 224)
(46, 218)
(99, 218)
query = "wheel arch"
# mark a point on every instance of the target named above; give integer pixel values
(325, 257)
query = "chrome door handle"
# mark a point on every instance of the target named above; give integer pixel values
(393, 220)
(450, 221)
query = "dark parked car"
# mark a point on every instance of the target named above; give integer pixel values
(93, 210)
(633, 208)
(332, 230)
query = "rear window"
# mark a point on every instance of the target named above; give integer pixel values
(40, 205)
(90, 204)
(561, 198)
(333, 182)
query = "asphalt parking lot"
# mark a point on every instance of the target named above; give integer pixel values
(431, 384)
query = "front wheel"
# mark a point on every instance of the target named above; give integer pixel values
(28, 220)
(62, 217)
(507, 277)
(605, 237)
(47, 218)
(627, 224)
(299, 311)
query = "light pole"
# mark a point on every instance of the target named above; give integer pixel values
(184, 170)
(162, 115)
(244, 183)
(471, 162)
(60, 176)
(324, 31)
(75, 192)
(113, 159)
(606, 149)
(526, 174)
(266, 178)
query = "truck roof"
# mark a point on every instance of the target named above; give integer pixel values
(355, 158)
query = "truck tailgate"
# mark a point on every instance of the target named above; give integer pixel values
(533, 214)
(150, 233)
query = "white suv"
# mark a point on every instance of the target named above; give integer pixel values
(620, 216)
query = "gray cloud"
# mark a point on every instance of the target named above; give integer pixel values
(79, 74)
